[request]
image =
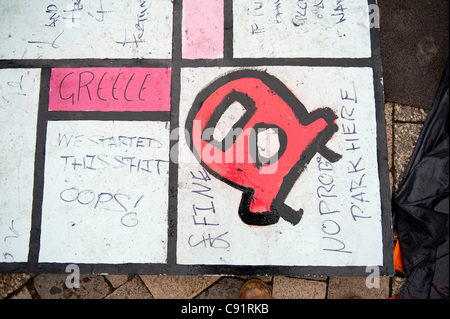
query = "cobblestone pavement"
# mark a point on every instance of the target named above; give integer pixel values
(404, 124)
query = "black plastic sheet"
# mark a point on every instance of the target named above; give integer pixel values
(422, 204)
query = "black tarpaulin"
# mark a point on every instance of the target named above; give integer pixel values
(414, 45)
(421, 205)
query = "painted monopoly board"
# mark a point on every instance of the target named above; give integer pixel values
(193, 137)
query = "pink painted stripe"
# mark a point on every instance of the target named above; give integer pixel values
(110, 89)
(203, 29)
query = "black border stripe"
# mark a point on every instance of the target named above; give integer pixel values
(217, 270)
(82, 63)
(382, 151)
(228, 30)
(249, 62)
(174, 124)
(108, 116)
(39, 167)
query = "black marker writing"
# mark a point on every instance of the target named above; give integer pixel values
(100, 13)
(18, 89)
(53, 43)
(208, 241)
(339, 11)
(8, 237)
(204, 213)
(356, 168)
(105, 201)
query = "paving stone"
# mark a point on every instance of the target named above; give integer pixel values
(133, 289)
(407, 113)
(296, 288)
(318, 278)
(405, 139)
(23, 293)
(53, 286)
(265, 279)
(397, 284)
(117, 280)
(355, 287)
(391, 182)
(177, 287)
(11, 282)
(226, 288)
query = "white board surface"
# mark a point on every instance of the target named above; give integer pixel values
(209, 228)
(301, 28)
(96, 29)
(19, 96)
(105, 192)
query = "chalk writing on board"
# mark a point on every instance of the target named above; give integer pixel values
(68, 17)
(208, 241)
(52, 43)
(83, 84)
(131, 164)
(138, 33)
(106, 185)
(111, 142)
(99, 15)
(327, 207)
(304, 10)
(306, 7)
(52, 10)
(73, 11)
(72, 15)
(203, 214)
(278, 11)
(356, 163)
(303, 14)
(339, 11)
(265, 180)
(105, 201)
(6, 239)
(256, 27)
(110, 89)
(300, 16)
(17, 89)
(101, 161)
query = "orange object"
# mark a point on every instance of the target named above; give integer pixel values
(398, 261)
